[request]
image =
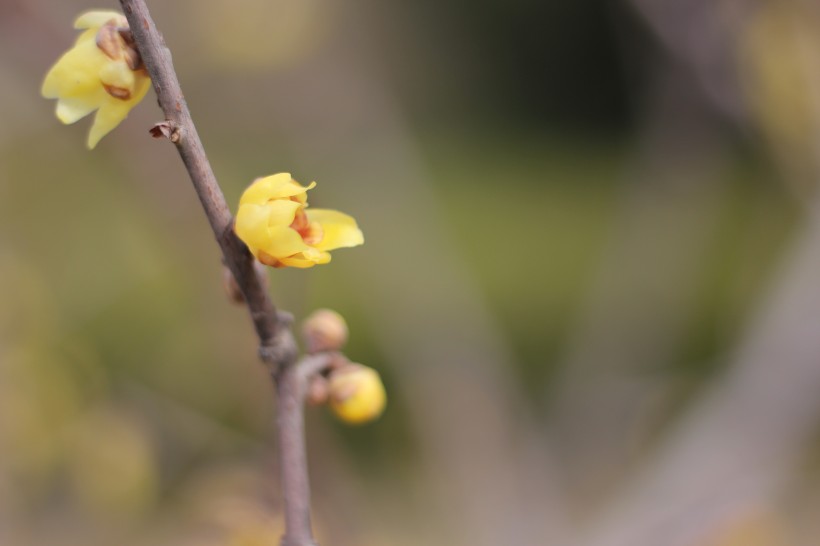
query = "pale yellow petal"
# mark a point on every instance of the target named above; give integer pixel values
(71, 110)
(76, 74)
(96, 19)
(141, 87)
(118, 74)
(111, 113)
(277, 186)
(340, 230)
(89, 35)
(113, 110)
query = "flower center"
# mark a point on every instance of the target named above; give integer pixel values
(311, 232)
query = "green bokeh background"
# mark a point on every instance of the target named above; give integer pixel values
(555, 196)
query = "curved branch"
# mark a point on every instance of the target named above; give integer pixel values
(277, 347)
(182, 132)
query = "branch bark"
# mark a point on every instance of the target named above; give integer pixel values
(277, 347)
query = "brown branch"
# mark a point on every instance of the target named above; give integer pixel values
(317, 363)
(277, 347)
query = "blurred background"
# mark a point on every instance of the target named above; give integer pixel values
(591, 279)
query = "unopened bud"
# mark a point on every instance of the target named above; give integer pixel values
(324, 330)
(357, 394)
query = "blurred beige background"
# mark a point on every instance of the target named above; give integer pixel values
(589, 278)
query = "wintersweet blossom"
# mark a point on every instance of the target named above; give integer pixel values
(102, 72)
(280, 230)
(357, 394)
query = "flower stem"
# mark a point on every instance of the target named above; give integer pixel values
(277, 347)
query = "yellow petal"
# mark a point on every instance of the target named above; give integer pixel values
(113, 110)
(110, 114)
(76, 74)
(340, 230)
(89, 36)
(277, 186)
(71, 110)
(266, 228)
(283, 242)
(141, 87)
(298, 261)
(118, 74)
(252, 226)
(96, 19)
(253, 222)
(307, 258)
(319, 257)
(263, 189)
(281, 212)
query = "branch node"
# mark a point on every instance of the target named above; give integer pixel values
(284, 318)
(167, 129)
(279, 352)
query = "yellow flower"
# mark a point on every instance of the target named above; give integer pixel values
(279, 229)
(357, 394)
(102, 72)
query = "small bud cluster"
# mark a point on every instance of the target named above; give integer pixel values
(354, 392)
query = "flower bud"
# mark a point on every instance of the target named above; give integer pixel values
(324, 330)
(357, 394)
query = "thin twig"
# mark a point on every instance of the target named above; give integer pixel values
(277, 347)
(314, 364)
